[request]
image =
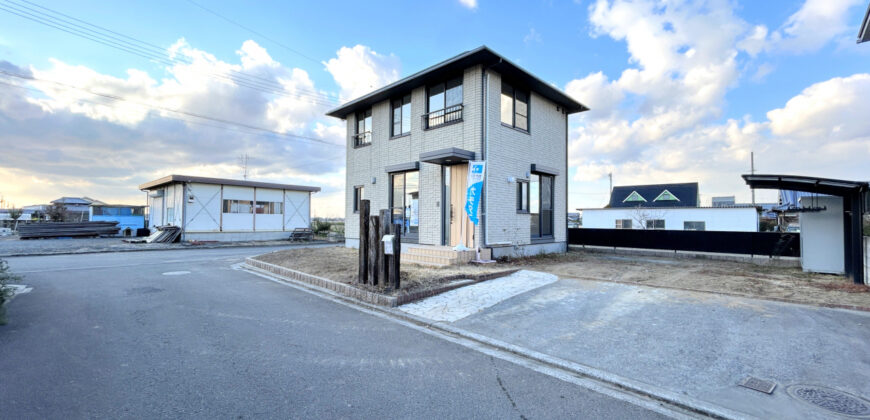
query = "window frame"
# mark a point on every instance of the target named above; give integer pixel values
(552, 209)
(654, 223)
(403, 117)
(702, 223)
(357, 196)
(522, 202)
(444, 107)
(620, 224)
(513, 96)
(366, 114)
(250, 203)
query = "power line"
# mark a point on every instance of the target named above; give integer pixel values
(150, 51)
(107, 33)
(328, 158)
(297, 52)
(182, 112)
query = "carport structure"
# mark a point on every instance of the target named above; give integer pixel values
(854, 194)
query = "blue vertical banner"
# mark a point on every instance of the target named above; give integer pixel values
(476, 171)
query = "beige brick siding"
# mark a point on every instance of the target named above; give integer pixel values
(512, 153)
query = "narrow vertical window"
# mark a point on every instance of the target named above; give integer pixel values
(401, 116)
(363, 134)
(514, 107)
(358, 194)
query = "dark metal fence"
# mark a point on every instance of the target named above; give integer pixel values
(751, 243)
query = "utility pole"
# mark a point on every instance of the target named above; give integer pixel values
(610, 175)
(243, 162)
(752, 170)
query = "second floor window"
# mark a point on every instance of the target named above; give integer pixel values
(445, 103)
(363, 135)
(402, 116)
(514, 107)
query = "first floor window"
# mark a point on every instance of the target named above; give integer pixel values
(405, 202)
(623, 224)
(541, 205)
(269, 207)
(238, 206)
(522, 196)
(655, 224)
(694, 225)
(358, 194)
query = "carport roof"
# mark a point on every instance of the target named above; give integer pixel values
(166, 180)
(838, 187)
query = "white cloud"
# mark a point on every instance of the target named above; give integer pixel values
(532, 37)
(660, 119)
(71, 142)
(470, 4)
(360, 70)
(815, 24)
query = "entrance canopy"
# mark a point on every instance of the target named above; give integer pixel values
(448, 156)
(853, 194)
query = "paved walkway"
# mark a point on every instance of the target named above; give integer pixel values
(460, 303)
(695, 344)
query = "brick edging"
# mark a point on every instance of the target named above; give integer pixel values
(372, 297)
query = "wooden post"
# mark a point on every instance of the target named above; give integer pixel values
(395, 259)
(363, 240)
(383, 270)
(374, 246)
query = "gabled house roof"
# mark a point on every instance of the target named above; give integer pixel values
(659, 195)
(452, 66)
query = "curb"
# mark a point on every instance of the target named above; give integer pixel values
(182, 248)
(367, 296)
(617, 382)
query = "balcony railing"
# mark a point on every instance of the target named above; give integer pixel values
(362, 139)
(448, 115)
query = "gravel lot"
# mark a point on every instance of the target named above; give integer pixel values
(744, 279)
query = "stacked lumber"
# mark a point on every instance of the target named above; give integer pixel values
(67, 229)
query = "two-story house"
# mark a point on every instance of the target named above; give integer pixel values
(409, 144)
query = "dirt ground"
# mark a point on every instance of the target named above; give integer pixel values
(745, 279)
(341, 264)
(778, 283)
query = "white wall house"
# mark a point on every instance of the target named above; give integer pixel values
(226, 209)
(740, 219)
(409, 145)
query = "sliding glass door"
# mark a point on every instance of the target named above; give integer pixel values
(541, 206)
(405, 203)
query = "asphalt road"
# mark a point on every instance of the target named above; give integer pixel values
(180, 334)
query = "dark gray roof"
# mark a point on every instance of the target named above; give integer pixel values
(481, 55)
(220, 181)
(864, 30)
(686, 193)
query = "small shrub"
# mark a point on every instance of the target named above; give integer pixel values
(321, 227)
(6, 277)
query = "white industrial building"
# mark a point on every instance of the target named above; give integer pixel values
(736, 218)
(213, 209)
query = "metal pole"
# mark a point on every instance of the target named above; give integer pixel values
(752, 170)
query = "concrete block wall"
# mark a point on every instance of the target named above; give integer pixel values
(511, 154)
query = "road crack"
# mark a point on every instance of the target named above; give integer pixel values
(504, 389)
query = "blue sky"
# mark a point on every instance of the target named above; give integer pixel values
(653, 120)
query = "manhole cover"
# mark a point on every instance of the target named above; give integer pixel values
(759, 385)
(832, 400)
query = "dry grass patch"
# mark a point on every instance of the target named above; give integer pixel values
(758, 281)
(341, 264)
